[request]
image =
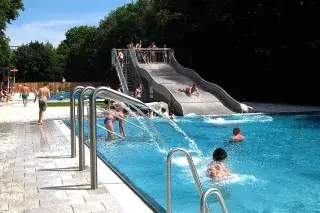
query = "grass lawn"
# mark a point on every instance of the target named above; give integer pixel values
(65, 104)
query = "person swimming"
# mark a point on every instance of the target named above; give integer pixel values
(237, 137)
(216, 169)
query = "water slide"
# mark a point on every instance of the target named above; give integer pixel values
(167, 78)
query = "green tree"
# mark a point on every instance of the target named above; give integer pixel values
(35, 62)
(9, 11)
(5, 53)
(75, 55)
(122, 26)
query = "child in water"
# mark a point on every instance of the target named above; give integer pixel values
(237, 137)
(216, 169)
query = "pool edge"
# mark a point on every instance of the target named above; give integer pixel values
(147, 203)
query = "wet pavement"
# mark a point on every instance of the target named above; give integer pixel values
(38, 175)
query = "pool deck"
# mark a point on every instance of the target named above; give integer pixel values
(38, 175)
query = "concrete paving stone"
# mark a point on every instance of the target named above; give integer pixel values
(4, 196)
(100, 190)
(18, 196)
(48, 180)
(76, 200)
(4, 207)
(112, 207)
(88, 207)
(52, 209)
(53, 202)
(59, 194)
(77, 192)
(16, 206)
(99, 198)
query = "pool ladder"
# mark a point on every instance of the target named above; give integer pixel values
(204, 195)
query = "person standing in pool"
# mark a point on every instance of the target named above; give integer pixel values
(216, 169)
(111, 118)
(237, 137)
(122, 113)
(24, 94)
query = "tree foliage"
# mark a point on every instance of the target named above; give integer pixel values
(9, 11)
(5, 53)
(244, 46)
(76, 54)
(35, 62)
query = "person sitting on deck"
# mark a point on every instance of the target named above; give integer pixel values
(190, 90)
(216, 169)
(237, 137)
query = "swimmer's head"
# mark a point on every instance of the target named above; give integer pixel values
(219, 154)
(236, 130)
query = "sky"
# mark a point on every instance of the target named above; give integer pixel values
(48, 20)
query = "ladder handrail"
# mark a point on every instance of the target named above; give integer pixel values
(219, 197)
(193, 171)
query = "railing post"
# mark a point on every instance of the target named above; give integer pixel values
(206, 194)
(72, 120)
(81, 126)
(93, 138)
(194, 175)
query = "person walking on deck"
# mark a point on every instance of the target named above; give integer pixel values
(24, 94)
(43, 94)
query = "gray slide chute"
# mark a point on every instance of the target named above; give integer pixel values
(167, 78)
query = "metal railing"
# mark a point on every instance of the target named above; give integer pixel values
(194, 175)
(104, 92)
(153, 55)
(205, 196)
(115, 62)
(72, 119)
(134, 68)
(85, 91)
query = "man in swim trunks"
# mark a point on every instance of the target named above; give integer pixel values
(237, 137)
(43, 94)
(24, 94)
(217, 169)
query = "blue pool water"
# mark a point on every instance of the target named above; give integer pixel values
(276, 168)
(57, 95)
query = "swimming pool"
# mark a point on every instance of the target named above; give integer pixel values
(276, 168)
(57, 95)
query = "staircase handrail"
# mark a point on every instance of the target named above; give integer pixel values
(134, 60)
(115, 62)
